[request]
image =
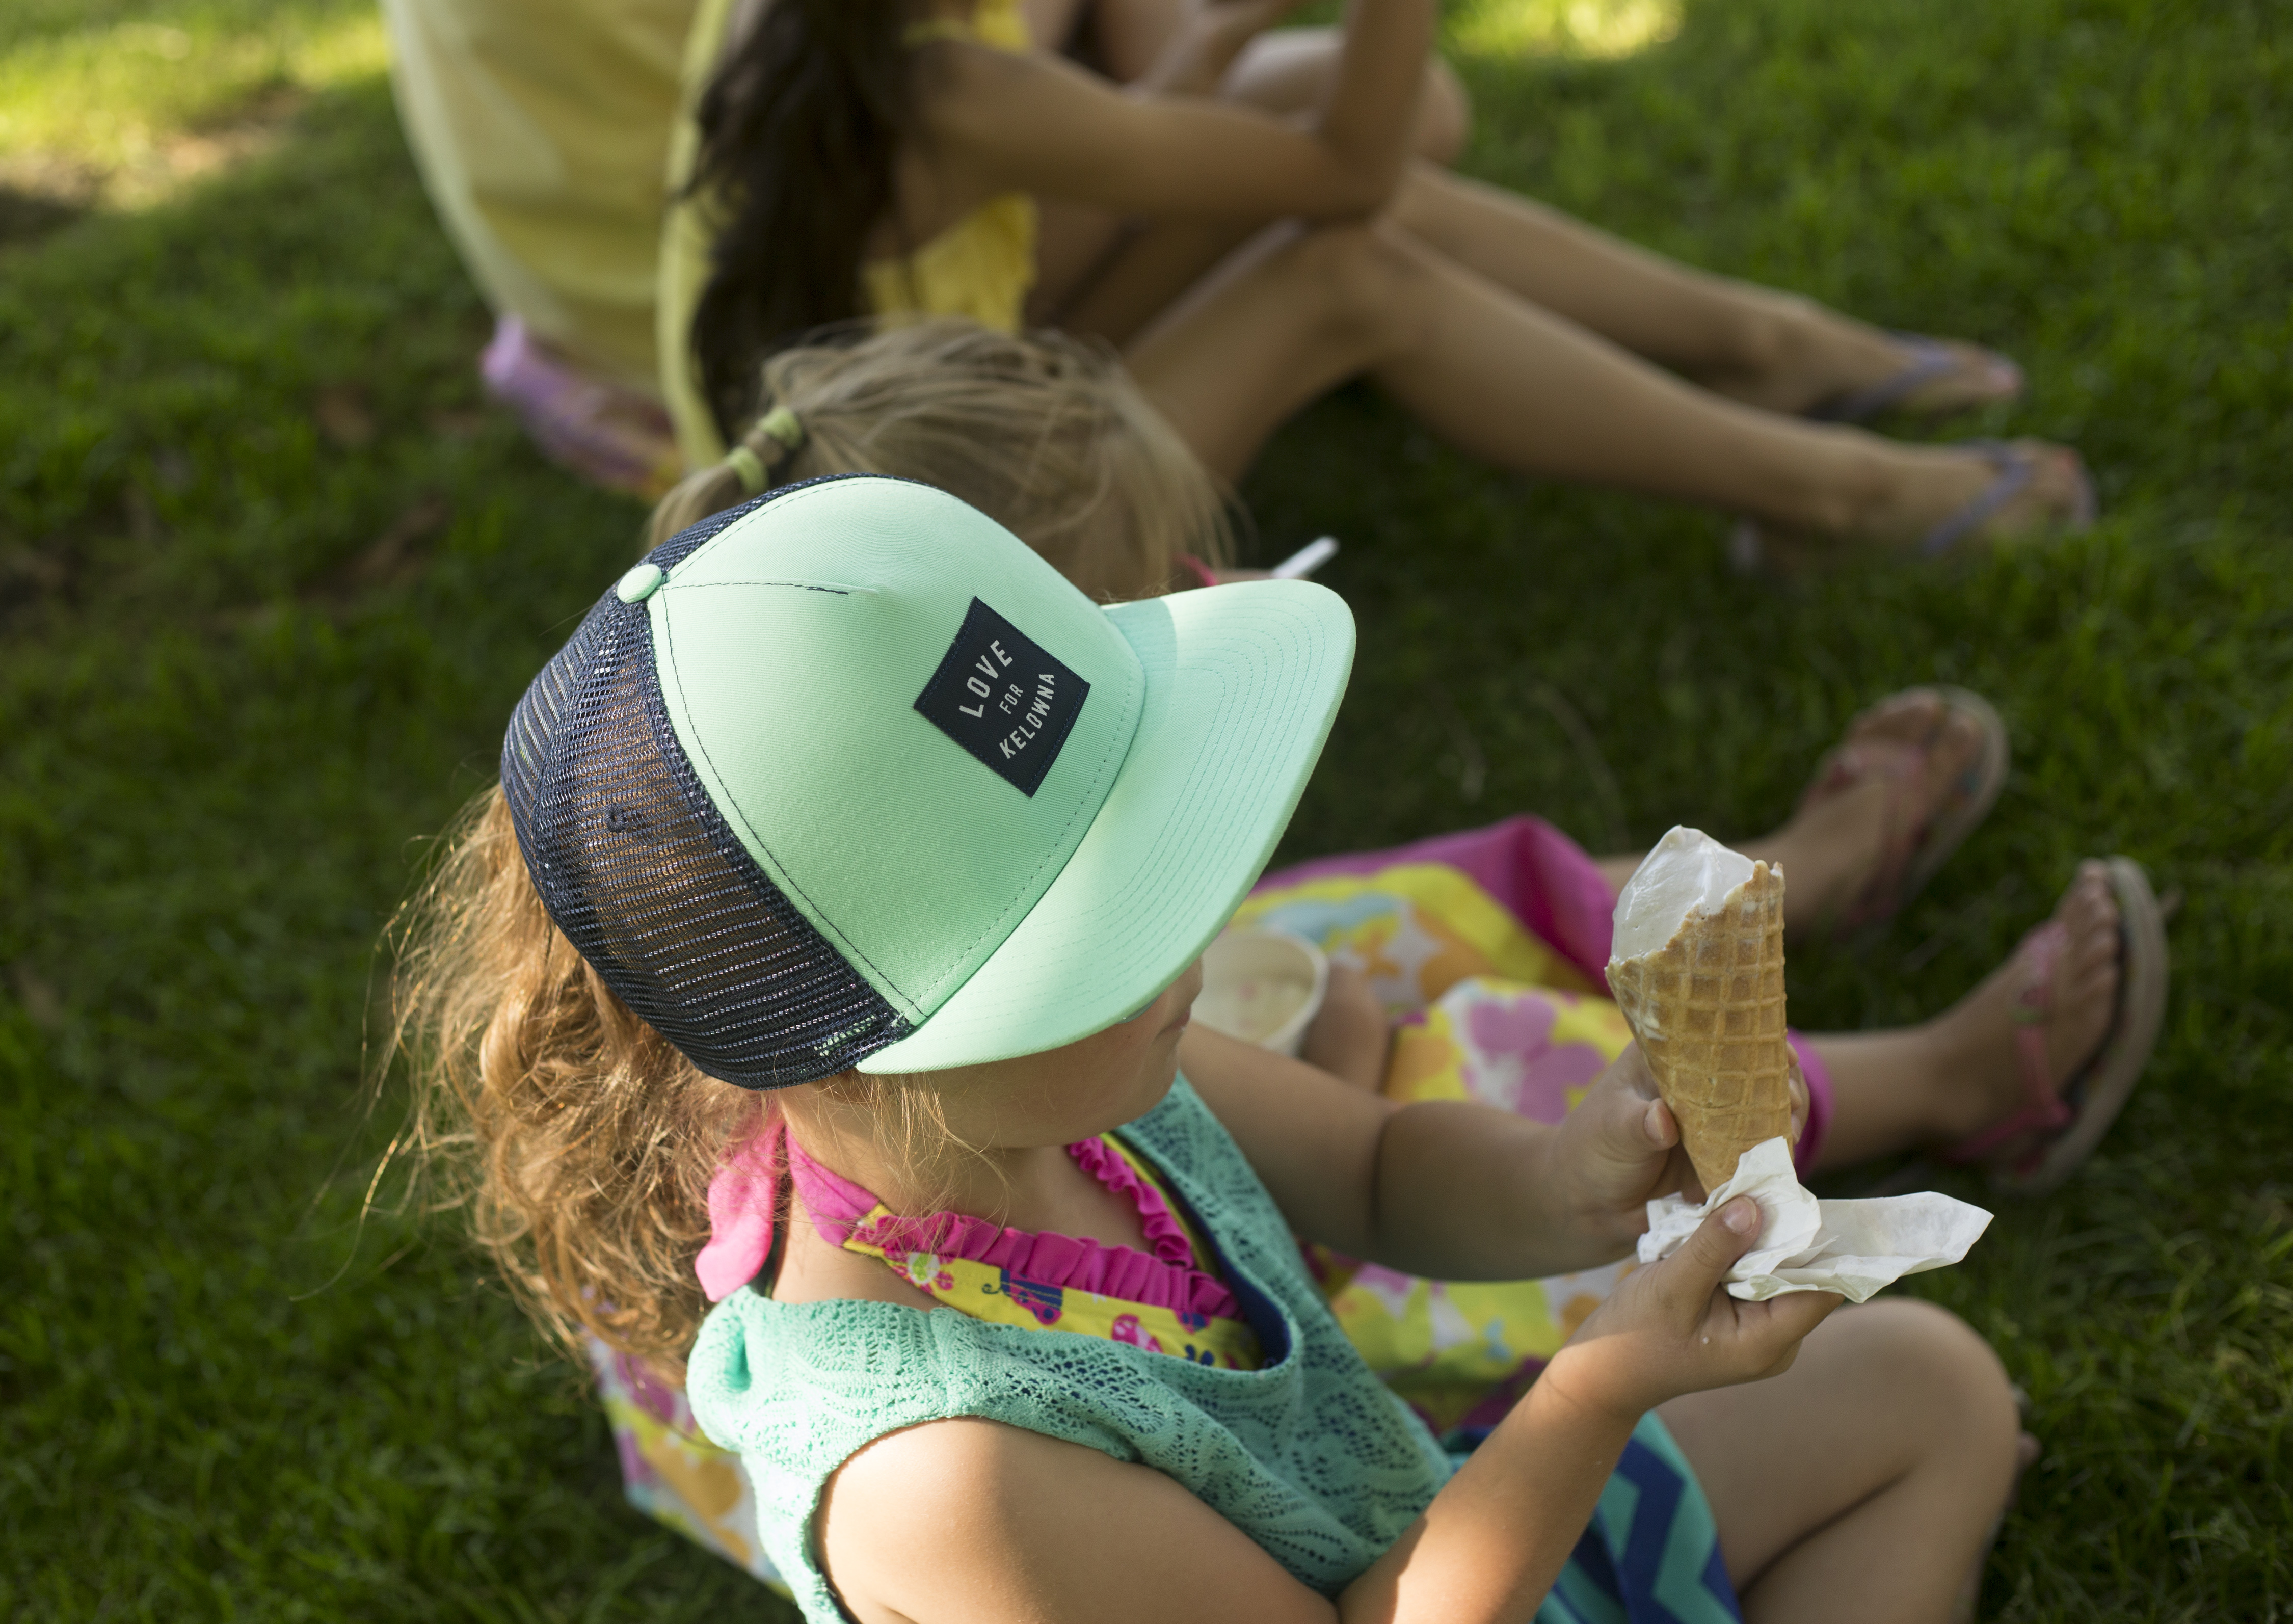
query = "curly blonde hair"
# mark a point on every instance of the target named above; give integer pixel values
(577, 1141)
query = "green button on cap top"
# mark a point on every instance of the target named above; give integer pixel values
(639, 584)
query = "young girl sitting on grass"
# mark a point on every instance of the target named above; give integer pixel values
(861, 990)
(891, 158)
(1471, 965)
(1486, 946)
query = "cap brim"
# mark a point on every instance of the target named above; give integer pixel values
(1243, 682)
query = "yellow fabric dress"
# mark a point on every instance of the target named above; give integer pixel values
(542, 130)
(982, 267)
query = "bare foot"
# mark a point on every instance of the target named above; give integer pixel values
(1887, 778)
(1881, 492)
(1978, 1054)
(1930, 486)
(1972, 377)
(1807, 356)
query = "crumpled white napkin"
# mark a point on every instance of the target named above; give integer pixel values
(1857, 1249)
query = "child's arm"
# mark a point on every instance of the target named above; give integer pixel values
(1448, 1189)
(973, 1521)
(1350, 1036)
(1037, 123)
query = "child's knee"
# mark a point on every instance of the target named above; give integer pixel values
(1361, 276)
(1930, 1358)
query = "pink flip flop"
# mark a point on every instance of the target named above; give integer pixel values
(1911, 851)
(2071, 1119)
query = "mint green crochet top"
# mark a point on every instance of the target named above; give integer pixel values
(1310, 1455)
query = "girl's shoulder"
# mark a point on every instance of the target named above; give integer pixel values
(1046, 1527)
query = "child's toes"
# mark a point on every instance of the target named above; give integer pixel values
(1908, 718)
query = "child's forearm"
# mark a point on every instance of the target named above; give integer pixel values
(1494, 1540)
(1445, 1188)
(1467, 1192)
(1372, 111)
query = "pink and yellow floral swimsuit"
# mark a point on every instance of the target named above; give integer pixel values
(1166, 1299)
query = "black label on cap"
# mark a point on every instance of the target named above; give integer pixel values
(1001, 696)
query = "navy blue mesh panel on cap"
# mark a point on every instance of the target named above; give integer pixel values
(639, 870)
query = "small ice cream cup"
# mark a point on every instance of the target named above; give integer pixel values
(1263, 986)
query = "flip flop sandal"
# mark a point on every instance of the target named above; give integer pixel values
(2074, 1118)
(1750, 551)
(609, 435)
(1911, 853)
(1931, 359)
(2016, 468)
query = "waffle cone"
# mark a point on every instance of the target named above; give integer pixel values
(1708, 1011)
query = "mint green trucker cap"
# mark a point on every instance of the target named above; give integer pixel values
(849, 776)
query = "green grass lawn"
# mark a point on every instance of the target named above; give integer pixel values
(272, 575)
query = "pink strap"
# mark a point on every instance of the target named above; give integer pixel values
(2044, 1110)
(1202, 572)
(1818, 1077)
(743, 1196)
(1900, 840)
(835, 1204)
(1166, 1238)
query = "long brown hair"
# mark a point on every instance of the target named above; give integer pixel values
(798, 130)
(1045, 435)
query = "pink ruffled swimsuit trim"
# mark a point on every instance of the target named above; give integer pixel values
(745, 1195)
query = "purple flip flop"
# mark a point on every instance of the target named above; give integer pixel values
(2016, 468)
(1750, 554)
(1931, 359)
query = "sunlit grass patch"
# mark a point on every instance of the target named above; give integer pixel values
(101, 110)
(1563, 27)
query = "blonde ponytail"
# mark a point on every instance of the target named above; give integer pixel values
(1046, 435)
(747, 470)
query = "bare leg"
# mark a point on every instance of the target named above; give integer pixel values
(1753, 344)
(1297, 312)
(1775, 350)
(1955, 1075)
(1828, 847)
(1867, 1478)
